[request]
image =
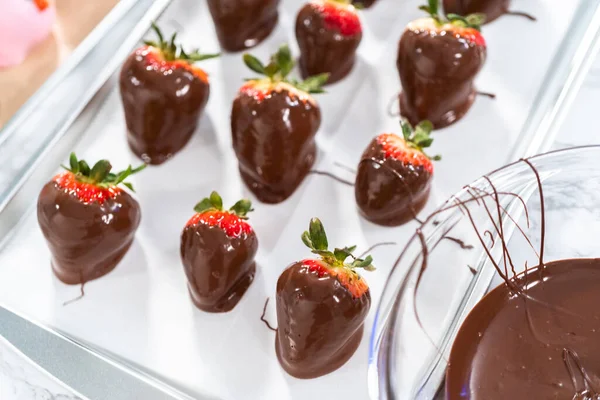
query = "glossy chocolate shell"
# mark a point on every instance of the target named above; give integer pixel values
(437, 72)
(219, 268)
(241, 24)
(273, 139)
(162, 108)
(320, 324)
(324, 49)
(87, 241)
(389, 192)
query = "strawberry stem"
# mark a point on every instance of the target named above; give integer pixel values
(418, 138)
(215, 202)
(316, 240)
(470, 21)
(173, 52)
(280, 65)
(100, 174)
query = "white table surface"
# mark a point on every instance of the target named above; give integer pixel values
(20, 379)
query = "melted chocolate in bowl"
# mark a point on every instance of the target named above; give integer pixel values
(241, 24)
(219, 268)
(316, 336)
(540, 343)
(491, 8)
(274, 142)
(161, 109)
(389, 192)
(437, 72)
(323, 49)
(87, 241)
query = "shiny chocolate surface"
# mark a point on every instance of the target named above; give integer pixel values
(162, 107)
(273, 139)
(320, 324)
(389, 192)
(87, 241)
(241, 24)
(538, 340)
(322, 48)
(437, 72)
(219, 268)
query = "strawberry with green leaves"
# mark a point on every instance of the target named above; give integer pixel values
(438, 59)
(322, 304)
(328, 34)
(394, 175)
(88, 220)
(164, 95)
(217, 250)
(274, 120)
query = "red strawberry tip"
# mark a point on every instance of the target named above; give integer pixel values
(316, 240)
(419, 137)
(41, 4)
(171, 51)
(99, 175)
(280, 65)
(215, 203)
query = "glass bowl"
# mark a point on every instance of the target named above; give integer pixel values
(503, 217)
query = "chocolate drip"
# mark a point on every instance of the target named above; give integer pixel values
(322, 48)
(320, 322)
(263, 319)
(81, 296)
(376, 245)
(219, 268)
(332, 176)
(87, 241)
(274, 142)
(437, 72)
(460, 242)
(241, 24)
(162, 108)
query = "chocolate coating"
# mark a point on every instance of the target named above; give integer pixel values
(364, 3)
(219, 268)
(540, 347)
(491, 8)
(323, 49)
(273, 139)
(320, 324)
(389, 192)
(437, 72)
(87, 241)
(162, 109)
(241, 24)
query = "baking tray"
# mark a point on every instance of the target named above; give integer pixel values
(141, 314)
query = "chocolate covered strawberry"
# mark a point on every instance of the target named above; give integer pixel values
(492, 9)
(163, 96)
(394, 175)
(217, 250)
(88, 220)
(241, 24)
(273, 123)
(321, 308)
(438, 59)
(328, 34)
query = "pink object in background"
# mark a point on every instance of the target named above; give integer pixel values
(23, 24)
